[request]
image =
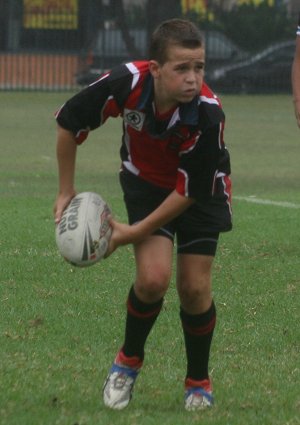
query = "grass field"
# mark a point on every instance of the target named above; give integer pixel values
(60, 327)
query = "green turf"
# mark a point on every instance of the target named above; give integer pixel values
(60, 327)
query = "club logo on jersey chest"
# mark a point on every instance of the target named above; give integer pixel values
(134, 118)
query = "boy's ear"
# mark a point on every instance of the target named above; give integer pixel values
(154, 68)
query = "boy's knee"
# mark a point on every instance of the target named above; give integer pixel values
(195, 296)
(152, 286)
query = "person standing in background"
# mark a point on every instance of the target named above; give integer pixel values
(296, 75)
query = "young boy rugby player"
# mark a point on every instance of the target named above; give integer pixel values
(176, 184)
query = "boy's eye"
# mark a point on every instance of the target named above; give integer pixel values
(200, 67)
(182, 68)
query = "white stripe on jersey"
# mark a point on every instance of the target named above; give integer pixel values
(220, 140)
(79, 132)
(298, 30)
(99, 79)
(192, 146)
(227, 194)
(128, 164)
(186, 181)
(135, 72)
(130, 167)
(175, 117)
(58, 112)
(210, 100)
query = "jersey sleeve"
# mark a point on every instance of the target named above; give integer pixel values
(204, 160)
(91, 107)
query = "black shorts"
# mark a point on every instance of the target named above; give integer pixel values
(197, 229)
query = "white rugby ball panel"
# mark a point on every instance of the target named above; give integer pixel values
(83, 234)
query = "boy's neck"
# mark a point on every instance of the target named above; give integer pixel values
(162, 107)
(162, 104)
(163, 113)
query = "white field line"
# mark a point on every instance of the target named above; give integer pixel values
(255, 200)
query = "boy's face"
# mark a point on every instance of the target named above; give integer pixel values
(180, 78)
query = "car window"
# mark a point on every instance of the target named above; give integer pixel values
(111, 43)
(215, 45)
(219, 46)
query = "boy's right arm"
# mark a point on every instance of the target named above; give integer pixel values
(66, 158)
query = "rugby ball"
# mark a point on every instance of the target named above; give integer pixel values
(83, 234)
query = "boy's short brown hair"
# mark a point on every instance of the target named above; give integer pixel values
(179, 32)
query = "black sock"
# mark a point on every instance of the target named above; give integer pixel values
(198, 332)
(139, 322)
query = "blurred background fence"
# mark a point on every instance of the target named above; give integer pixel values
(63, 44)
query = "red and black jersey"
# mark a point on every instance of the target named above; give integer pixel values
(182, 150)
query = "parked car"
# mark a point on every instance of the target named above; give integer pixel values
(109, 49)
(221, 50)
(268, 71)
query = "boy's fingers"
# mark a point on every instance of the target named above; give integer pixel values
(111, 220)
(57, 217)
(110, 250)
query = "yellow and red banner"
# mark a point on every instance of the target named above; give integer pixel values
(255, 2)
(200, 7)
(197, 6)
(50, 14)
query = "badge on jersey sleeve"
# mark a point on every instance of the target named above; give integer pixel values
(134, 118)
